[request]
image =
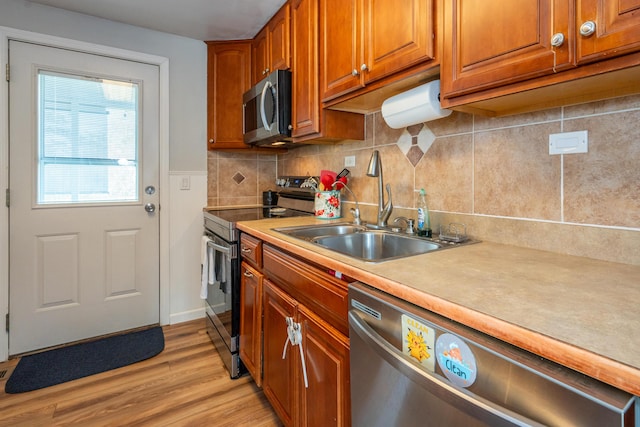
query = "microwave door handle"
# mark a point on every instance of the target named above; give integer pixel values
(263, 116)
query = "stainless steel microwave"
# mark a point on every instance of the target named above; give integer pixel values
(267, 111)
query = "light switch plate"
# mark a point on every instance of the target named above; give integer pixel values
(569, 142)
(349, 161)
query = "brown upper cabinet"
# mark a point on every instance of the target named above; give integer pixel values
(508, 57)
(363, 41)
(492, 42)
(311, 122)
(229, 68)
(271, 49)
(607, 28)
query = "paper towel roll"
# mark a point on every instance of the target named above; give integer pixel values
(418, 105)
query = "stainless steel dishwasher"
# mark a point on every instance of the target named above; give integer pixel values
(411, 367)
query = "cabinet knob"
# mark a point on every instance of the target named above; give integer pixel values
(355, 73)
(211, 141)
(290, 127)
(557, 40)
(266, 70)
(364, 67)
(588, 28)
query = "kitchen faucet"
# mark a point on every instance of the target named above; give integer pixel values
(355, 212)
(375, 170)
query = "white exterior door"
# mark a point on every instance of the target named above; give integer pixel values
(84, 159)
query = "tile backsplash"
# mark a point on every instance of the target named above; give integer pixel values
(493, 174)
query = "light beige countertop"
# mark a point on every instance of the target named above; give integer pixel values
(579, 312)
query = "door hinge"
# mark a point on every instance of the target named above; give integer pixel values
(7, 323)
(7, 71)
(7, 199)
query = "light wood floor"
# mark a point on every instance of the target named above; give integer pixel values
(185, 385)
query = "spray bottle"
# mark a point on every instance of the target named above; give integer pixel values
(424, 224)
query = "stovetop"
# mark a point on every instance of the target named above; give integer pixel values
(222, 222)
(293, 200)
(253, 213)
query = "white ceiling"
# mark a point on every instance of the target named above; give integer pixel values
(196, 19)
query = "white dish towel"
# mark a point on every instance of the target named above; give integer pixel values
(206, 261)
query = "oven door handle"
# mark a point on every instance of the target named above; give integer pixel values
(217, 247)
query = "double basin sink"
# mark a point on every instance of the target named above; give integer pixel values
(365, 244)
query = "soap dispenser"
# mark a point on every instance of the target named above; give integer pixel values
(424, 224)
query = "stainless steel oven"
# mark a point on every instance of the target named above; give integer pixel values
(220, 286)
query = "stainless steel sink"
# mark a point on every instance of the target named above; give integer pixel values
(376, 246)
(308, 232)
(360, 242)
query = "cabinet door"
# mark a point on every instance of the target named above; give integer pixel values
(280, 375)
(280, 39)
(251, 321)
(616, 32)
(304, 47)
(396, 37)
(229, 77)
(490, 43)
(340, 46)
(326, 402)
(260, 56)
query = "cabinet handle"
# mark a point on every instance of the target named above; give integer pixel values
(588, 28)
(245, 250)
(364, 67)
(355, 73)
(247, 274)
(557, 40)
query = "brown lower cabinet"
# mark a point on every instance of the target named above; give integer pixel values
(284, 287)
(250, 346)
(324, 401)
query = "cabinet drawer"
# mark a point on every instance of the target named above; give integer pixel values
(314, 288)
(251, 250)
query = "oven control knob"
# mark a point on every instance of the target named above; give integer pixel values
(150, 207)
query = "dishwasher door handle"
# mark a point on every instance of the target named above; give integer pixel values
(457, 397)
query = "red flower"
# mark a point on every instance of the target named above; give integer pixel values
(334, 201)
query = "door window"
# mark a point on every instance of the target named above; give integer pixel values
(87, 140)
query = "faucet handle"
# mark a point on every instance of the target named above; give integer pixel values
(408, 222)
(356, 216)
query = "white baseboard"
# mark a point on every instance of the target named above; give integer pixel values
(186, 316)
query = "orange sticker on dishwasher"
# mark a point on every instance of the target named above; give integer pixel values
(418, 341)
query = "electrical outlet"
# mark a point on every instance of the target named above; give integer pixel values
(569, 142)
(349, 161)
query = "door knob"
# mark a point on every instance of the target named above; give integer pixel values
(557, 40)
(587, 28)
(150, 207)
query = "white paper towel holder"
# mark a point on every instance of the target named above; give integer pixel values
(418, 105)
